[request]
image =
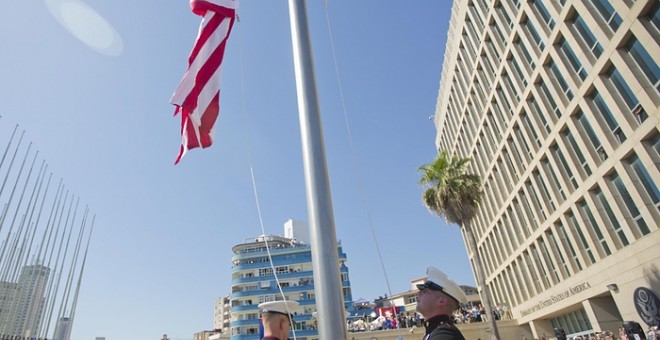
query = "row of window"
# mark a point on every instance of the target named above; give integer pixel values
(578, 61)
(572, 322)
(599, 224)
(480, 20)
(507, 97)
(511, 115)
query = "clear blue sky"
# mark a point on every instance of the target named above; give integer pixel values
(161, 251)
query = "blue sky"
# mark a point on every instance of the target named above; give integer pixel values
(161, 250)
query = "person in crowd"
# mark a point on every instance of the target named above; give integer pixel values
(437, 299)
(277, 318)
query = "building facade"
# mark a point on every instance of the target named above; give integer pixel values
(221, 314)
(557, 104)
(265, 268)
(23, 303)
(62, 329)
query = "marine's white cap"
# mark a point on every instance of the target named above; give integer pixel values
(280, 307)
(437, 280)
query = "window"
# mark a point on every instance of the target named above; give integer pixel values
(577, 228)
(265, 271)
(512, 227)
(572, 322)
(607, 116)
(591, 134)
(504, 15)
(510, 289)
(515, 151)
(523, 141)
(475, 14)
(572, 58)
(504, 101)
(539, 114)
(654, 149)
(499, 37)
(549, 99)
(620, 188)
(654, 16)
(589, 219)
(486, 61)
(578, 152)
(608, 13)
(519, 73)
(528, 210)
(558, 253)
(519, 216)
(472, 32)
(587, 36)
(528, 267)
(529, 127)
(469, 45)
(565, 167)
(548, 260)
(645, 179)
(613, 220)
(543, 13)
(510, 166)
(545, 193)
(644, 61)
(535, 199)
(525, 53)
(566, 241)
(561, 81)
(533, 34)
(512, 88)
(484, 80)
(523, 283)
(622, 88)
(553, 177)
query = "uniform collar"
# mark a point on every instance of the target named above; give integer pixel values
(433, 322)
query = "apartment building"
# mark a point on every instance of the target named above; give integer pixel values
(266, 267)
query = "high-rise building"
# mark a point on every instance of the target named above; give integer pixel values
(23, 302)
(221, 316)
(255, 279)
(62, 329)
(557, 104)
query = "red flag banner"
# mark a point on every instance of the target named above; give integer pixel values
(197, 98)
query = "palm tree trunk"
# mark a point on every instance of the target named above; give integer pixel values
(481, 281)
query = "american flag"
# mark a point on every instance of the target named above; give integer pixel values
(197, 97)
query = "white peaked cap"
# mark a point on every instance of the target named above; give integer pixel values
(281, 307)
(437, 280)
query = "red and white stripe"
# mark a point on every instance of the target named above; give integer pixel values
(198, 95)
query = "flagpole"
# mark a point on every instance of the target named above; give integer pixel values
(323, 238)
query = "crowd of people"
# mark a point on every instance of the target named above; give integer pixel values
(467, 314)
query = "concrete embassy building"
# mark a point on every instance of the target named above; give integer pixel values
(557, 104)
(256, 280)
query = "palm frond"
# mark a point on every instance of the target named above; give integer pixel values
(449, 190)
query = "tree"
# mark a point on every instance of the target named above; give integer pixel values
(451, 192)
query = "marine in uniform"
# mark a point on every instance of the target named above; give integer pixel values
(438, 297)
(277, 317)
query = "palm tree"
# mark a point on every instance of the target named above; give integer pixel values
(456, 195)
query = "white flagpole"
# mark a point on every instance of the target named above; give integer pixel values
(323, 238)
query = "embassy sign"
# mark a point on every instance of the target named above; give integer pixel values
(556, 298)
(647, 303)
